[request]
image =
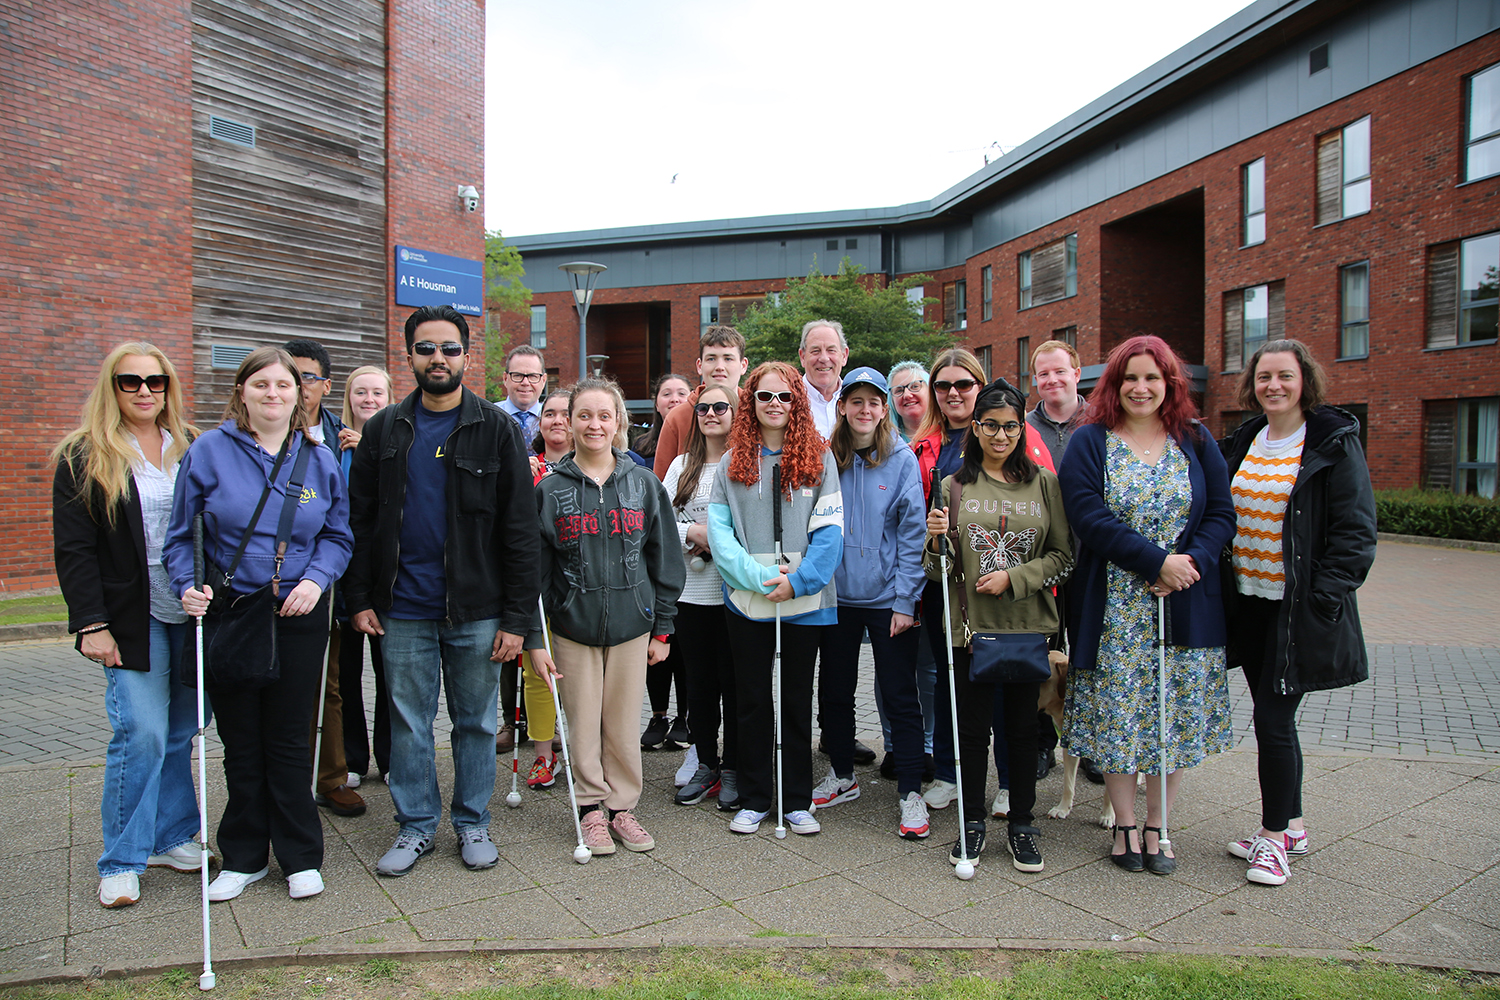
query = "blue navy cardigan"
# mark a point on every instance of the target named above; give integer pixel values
(1195, 616)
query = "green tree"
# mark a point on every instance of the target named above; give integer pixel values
(879, 320)
(503, 293)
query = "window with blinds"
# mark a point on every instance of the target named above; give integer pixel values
(1253, 185)
(1463, 292)
(1354, 310)
(1049, 273)
(1251, 317)
(1482, 150)
(1344, 172)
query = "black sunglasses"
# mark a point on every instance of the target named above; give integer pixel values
(132, 383)
(427, 348)
(962, 385)
(702, 409)
(766, 395)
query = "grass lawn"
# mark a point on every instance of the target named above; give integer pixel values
(797, 974)
(29, 610)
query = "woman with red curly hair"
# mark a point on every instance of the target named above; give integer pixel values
(1147, 496)
(741, 518)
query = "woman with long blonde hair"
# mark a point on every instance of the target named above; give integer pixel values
(111, 502)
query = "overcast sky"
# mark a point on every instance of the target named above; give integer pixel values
(601, 113)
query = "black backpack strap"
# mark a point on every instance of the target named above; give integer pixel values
(255, 518)
(289, 509)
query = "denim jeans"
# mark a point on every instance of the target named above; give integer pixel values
(419, 655)
(149, 805)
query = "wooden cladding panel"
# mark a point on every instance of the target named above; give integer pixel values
(289, 237)
(1442, 295)
(732, 308)
(1330, 177)
(1440, 444)
(1276, 310)
(1234, 331)
(1049, 273)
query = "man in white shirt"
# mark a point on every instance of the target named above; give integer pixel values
(823, 352)
(525, 379)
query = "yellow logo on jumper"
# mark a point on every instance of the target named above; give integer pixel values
(439, 452)
(308, 494)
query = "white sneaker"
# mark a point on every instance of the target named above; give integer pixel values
(230, 884)
(183, 858)
(1001, 806)
(688, 769)
(940, 794)
(353, 780)
(832, 790)
(300, 885)
(913, 817)
(746, 821)
(801, 821)
(119, 890)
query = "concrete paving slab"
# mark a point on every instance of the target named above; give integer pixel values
(40, 914)
(268, 917)
(832, 905)
(610, 900)
(715, 923)
(389, 933)
(1359, 862)
(924, 883)
(753, 866)
(35, 821)
(1442, 935)
(1408, 835)
(140, 940)
(1477, 899)
(1352, 912)
(1137, 900)
(39, 957)
(528, 915)
(1029, 915)
(1232, 920)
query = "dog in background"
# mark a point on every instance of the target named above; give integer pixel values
(1050, 699)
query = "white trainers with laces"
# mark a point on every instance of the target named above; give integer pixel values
(688, 769)
(914, 824)
(940, 794)
(119, 890)
(801, 821)
(832, 790)
(1000, 808)
(747, 821)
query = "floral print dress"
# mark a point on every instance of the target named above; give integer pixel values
(1112, 714)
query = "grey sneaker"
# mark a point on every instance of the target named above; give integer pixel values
(477, 849)
(403, 855)
(704, 782)
(729, 791)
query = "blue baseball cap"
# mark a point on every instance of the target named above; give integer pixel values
(865, 376)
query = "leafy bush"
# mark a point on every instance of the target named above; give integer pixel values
(1438, 514)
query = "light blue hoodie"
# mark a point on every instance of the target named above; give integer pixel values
(885, 524)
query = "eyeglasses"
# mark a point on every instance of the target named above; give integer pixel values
(702, 409)
(990, 428)
(535, 378)
(962, 385)
(427, 348)
(913, 388)
(766, 395)
(308, 378)
(133, 383)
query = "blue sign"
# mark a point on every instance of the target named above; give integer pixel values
(424, 278)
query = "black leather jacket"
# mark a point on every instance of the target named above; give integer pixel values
(1327, 546)
(493, 539)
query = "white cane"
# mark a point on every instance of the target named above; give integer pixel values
(964, 869)
(776, 662)
(581, 853)
(1164, 842)
(206, 980)
(322, 697)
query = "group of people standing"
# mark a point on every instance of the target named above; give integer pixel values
(748, 544)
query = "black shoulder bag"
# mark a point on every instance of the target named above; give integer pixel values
(239, 631)
(995, 657)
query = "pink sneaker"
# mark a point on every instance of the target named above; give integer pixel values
(631, 833)
(1268, 865)
(596, 833)
(1296, 845)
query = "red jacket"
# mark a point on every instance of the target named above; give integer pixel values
(926, 449)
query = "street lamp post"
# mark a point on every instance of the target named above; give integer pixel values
(585, 275)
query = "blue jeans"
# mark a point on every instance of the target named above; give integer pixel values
(149, 804)
(418, 656)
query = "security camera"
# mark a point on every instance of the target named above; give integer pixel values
(470, 197)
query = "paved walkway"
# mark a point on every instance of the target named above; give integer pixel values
(1403, 786)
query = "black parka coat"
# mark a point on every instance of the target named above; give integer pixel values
(1327, 547)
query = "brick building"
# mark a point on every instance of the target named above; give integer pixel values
(1317, 169)
(213, 176)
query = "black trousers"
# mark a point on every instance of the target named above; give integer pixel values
(351, 678)
(754, 645)
(976, 708)
(267, 762)
(896, 668)
(1279, 751)
(660, 678)
(700, 645)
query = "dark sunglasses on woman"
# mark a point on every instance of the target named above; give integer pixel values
(427, 348)
(132, 383)
(962, 385)
(703, 409)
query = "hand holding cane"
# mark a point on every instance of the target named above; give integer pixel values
(207, 979)
(964, 869)
(776, 662)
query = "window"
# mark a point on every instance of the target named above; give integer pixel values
(1482, 156)
(983, 354)
(1317, 59)
(1023, 363)
(1049, 273)
(708, 312)
(851, 244)
(1344, 172)
(956, 305)
(987, 278)
(832, 244)
(1463, 292)
(1253, 181)
(914, 297)
(1068, 335)
(1360, 412)
(1478, 431)
(539, 327)
(1251, 317)
(1354, 310)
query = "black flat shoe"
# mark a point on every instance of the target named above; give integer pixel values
(1130, 860)
(1156, 862)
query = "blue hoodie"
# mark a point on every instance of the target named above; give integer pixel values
(885, 524)
(222, 476)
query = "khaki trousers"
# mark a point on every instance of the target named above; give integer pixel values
(602, 689)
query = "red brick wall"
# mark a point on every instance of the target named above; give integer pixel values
(95, 228)
(434, 145)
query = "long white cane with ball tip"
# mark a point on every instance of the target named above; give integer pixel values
(776, 662)
(207, 979)
(964, 869)
(514, 798)
(1164, 843)
(581, 853)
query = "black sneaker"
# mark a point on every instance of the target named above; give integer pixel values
(679, 732)
(656, 732)
(863, 754)
(974, 844)
(1043, 763)
(1023, 852)
(703, 784)
(1091, 771)
(888, 767)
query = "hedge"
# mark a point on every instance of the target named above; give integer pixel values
(1438, 514)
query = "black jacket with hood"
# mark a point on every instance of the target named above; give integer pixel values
(1327, 546)
(612, 566)
(492, 545)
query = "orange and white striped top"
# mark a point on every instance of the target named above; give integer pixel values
(1261, 488)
